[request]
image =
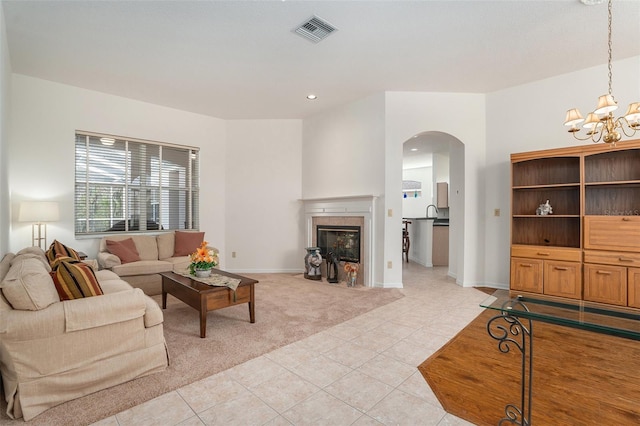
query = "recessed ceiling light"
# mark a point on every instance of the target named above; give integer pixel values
(312, 97)
(414, 149)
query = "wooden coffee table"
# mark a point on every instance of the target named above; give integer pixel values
(205, 298)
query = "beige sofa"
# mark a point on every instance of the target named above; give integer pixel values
(156, 255)
(53, 351)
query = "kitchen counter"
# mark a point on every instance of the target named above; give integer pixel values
(421, 234)
(436, 221)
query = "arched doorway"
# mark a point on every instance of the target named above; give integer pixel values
(431, 157)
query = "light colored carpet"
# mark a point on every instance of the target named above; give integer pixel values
(288, 308)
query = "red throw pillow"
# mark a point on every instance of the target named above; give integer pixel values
(124, 249)
(187, 242)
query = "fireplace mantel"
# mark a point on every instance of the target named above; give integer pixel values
(354, 206)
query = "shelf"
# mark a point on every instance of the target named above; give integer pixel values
(614, 166)
(614, 183)
(556, 185)
(565, 200)
(546, 171)
(558, 231)
(549, 216)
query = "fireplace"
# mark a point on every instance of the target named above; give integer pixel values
(343, 241)
(342, 215)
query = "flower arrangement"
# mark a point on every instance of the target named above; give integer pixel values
(352, 273)
(203, 258)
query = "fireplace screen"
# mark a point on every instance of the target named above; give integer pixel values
(344, 241)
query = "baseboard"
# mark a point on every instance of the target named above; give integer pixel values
(388, 285)
(265, 271)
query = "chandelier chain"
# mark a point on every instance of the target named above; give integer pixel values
(609, 46)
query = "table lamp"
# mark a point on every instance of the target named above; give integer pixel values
(39, 212)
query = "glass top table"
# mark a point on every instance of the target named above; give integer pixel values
(616, 321)
(512, 328)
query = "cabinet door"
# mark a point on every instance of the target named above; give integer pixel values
(634, 287)
(563, 279)
(442, 199)
(606, 284)
(526, 275)
(612, 233)
(440, 252)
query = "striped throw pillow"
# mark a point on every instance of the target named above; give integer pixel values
(75, 279)
(57, 249)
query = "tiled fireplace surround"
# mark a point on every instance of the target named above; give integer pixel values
(344, 211)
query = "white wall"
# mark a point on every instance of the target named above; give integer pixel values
(5, 102)
(463, 117)
(265, 220)
(417, 206)
(350, 138)
(440, 170)
(343, 150)
(529, 118)
(343, 154)
(45, 116)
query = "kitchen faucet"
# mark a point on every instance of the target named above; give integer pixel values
(431, 205)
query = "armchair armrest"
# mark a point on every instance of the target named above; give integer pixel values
(72, 315)
(153, 314)
(108, 260)
(91, 312)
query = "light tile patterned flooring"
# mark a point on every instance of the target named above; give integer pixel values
(361, 372)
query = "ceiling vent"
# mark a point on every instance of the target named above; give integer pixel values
(315, 29)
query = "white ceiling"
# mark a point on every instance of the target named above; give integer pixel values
(240, 59)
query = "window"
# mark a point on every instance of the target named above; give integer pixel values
(132, 185)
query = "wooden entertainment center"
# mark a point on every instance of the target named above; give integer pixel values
(589, 246)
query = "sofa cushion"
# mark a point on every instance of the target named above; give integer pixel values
(58, 249)
(187, 242)
(143, 267)
(5, 264)
(147, 246)
(180, 264)
(124, 249)
(28, 286)
(42, 259)
(35, 251)
(75, 280)
(166, 243)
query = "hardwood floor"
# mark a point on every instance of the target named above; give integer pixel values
(580, 377)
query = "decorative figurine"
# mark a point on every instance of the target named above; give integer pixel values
(312, 262)
(544, 209)
(352, 273)
(332, 267)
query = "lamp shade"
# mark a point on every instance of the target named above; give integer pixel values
(573, 117)
(606, 104)
(633, 113)
(39, 211)
(593, 121)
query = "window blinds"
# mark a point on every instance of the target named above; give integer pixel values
(125, 185)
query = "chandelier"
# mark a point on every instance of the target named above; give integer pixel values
(601, 125)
